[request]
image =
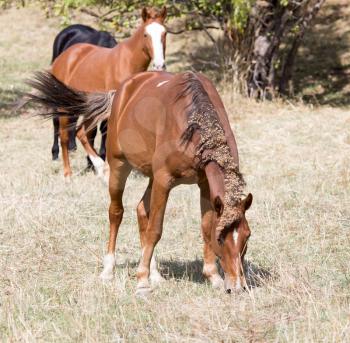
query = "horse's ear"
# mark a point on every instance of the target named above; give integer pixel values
(247, 202)
(144, 14)
(218, 206)
(163, 13)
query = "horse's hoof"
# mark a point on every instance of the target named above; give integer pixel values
(72, 148)
(54, 157)
(156, 278)
(68, 179)
(104, 178)
(106, 276)
(108, 266)
(217, 282)
(143, 292)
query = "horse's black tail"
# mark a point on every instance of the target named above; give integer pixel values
(61, 100)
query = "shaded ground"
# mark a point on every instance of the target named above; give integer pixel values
(323, 65)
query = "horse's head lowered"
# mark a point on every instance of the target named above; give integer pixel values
(229, 240)
(155, 36)
(215, 155)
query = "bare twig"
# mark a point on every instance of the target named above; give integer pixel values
(201, 28)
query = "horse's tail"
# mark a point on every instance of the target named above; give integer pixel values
(61, 100)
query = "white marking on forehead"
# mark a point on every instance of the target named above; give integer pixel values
(235, 236)
(162, 83)
(155, 30)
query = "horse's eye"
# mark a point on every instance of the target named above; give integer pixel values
(145, 35)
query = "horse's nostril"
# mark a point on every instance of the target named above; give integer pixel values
(158, 67)
(228, 291)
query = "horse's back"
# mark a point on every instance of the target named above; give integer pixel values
(83, 67)
(72, 34)
(146, 122)
(104, 39)
(79, 33)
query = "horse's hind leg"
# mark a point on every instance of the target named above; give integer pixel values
(210, 270)
(56, 131)
(120, 171)
(72, 145)
(143, 210)
(64, 136)
(159, 197)
(91, 135)
(96, 160)
(103, 130)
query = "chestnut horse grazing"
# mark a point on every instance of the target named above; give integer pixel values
(91, 68)
(174, 129)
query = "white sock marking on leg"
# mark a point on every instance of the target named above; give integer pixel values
(98, 163)
(108, 266)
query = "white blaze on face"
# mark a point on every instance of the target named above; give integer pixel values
(155, 31)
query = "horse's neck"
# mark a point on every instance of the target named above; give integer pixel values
(133, 48)
(215, 177)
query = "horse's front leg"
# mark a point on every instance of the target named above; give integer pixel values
(72, 146)
(64, 136)
(143, 211)
(120, 171)
(103, 130)
(210, 270)
(159, 198)
(56, 132)
(91, 135)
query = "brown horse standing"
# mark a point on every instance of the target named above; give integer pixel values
(91, 68)
(173, 129)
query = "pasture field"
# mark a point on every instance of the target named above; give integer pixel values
(296, 161)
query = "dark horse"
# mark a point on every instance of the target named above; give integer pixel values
(69, 36)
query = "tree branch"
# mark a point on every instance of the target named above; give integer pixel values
(204, 27)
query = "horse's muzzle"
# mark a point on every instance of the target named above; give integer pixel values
(233, 285)
(159, 67)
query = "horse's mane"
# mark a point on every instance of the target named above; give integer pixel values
(213, 147)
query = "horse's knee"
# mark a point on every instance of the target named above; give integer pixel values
(141, 211)
(153, 236)
(115, 211)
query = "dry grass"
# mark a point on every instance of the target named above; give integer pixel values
(52, 236)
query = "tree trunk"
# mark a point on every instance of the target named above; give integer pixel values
(268, 29)
(285, 86)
